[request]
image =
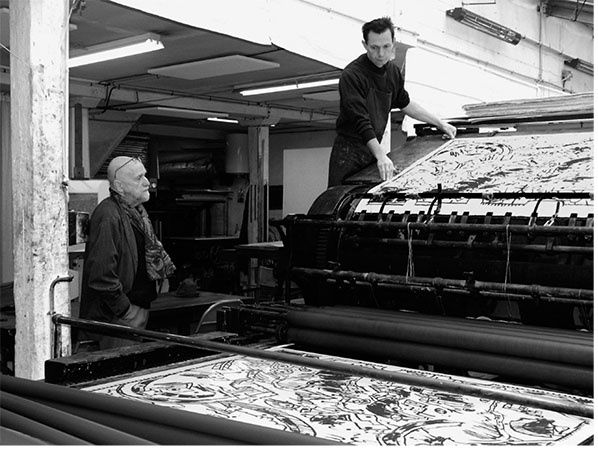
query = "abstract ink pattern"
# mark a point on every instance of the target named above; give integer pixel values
(502, 164)
(531, 163)
(351, 409)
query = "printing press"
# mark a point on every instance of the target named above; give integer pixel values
(452, 304)
(491, 272)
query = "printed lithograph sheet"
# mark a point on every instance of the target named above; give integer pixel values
(502, 163)
(351, 409)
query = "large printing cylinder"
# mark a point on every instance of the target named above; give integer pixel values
(533, 354)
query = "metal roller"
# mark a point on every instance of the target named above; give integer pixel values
(556, 335)
(146, 417)
(525, 369)
(404, 327)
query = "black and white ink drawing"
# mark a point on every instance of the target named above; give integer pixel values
(529, 163)
(502, 164)
(351, 409)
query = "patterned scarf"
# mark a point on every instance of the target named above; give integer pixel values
(157, 260)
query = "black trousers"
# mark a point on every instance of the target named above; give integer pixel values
(347, 158)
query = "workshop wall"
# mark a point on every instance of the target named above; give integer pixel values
(522, 63)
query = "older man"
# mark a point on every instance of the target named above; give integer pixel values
(123, 257)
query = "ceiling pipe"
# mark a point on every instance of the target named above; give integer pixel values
(132, 96)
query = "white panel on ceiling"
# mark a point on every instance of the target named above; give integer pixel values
(208, 68)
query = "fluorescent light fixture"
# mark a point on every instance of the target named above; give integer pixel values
(175, 112)
(223, 120)
(285, 87)
(581, 65)
(484, 25)
(116, 49)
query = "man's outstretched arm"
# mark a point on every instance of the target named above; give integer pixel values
(417, 112)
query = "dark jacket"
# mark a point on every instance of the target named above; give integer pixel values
(110, 264)
(367, 94)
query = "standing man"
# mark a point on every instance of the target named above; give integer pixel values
(123, 257)
(369, 88)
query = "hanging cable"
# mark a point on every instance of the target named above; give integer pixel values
(410, 265)
(508, 269)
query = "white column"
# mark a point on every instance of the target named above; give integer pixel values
(39, 92)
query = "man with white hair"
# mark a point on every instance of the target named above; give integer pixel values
(123, 257)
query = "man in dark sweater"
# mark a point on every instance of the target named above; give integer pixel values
(369, 88)
(123, 257)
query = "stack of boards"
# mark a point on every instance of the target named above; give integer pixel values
(582, 103)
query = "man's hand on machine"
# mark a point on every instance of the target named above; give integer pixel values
(385, 167)
(450, 132)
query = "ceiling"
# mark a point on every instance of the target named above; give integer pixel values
(125, 84)
(141, 80)
(576, 10)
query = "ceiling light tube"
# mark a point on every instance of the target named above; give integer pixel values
(484, 25)
(223, 120)
(285, 87)
(116, 49)
(581, 65)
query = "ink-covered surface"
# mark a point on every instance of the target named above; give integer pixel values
(352, 409)
(503, 163)
(533, 163)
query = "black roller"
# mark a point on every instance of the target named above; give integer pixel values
(557, 335)
(530, 370)
(10, 437)
(440, 333)
(81, 429)
(152, 414)
(31, 429)
(152, 431)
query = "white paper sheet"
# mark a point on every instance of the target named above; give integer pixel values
(503, 163)
(351, 409)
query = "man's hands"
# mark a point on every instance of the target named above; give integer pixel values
(385, 167)
(449, 130)
(414, 110)
(135, 316)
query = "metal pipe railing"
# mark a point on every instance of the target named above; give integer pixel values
(329, 365)
(395, 195)
(456, 227)
(567, 249)
(473, 286)
(419, 289)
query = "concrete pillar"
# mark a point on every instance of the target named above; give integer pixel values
(39, 142)
(258, 146)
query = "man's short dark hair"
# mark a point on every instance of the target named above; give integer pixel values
(378, 26)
